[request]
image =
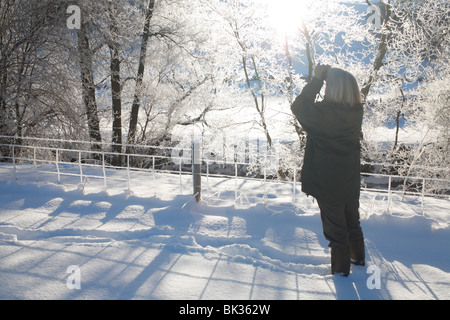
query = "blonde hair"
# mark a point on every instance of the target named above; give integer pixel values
(342, 88)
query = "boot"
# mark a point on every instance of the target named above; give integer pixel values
(357, 252)
(340, 261)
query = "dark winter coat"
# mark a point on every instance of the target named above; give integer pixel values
(331, 167)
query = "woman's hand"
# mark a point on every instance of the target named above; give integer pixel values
(320, 72)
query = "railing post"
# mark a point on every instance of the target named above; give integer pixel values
(57, 166)
(197, 170)
(235, 181)
(423, 196)
(265, 186)
(14, 162)
(35, 165)
(154, 176)
(104, 173)
(389, 194)
(295, 188)
(128, 174)
(80, 167)
(207, 177)
(181, 177)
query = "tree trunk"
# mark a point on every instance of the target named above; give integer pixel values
(260, 108)
(88, 88)
(140, 75)
(381, 52)
(116, 88)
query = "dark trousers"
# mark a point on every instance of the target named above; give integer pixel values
(341, 223)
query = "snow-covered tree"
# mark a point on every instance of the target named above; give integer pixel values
(411, 54)
(35, 96)
(141, 71)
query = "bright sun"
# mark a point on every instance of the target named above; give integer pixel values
(286, 16)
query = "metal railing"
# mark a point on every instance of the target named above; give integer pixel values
(220, 178)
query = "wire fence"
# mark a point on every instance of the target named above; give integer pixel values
(244, 178)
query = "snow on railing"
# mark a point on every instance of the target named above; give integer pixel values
(221, 178)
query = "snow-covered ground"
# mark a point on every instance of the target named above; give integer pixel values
(63, 241)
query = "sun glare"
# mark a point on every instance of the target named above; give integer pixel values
(286, 16)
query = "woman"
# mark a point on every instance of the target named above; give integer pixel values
(331, 167)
